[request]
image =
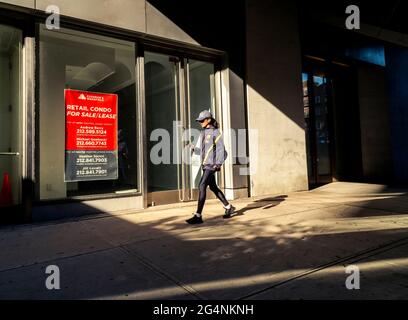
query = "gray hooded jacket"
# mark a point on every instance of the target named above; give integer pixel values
(212, 152)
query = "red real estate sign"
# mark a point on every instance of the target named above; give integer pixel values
(91, 142)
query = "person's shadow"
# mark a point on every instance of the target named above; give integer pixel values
(265, 203)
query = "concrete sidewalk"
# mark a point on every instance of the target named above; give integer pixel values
(292, 246)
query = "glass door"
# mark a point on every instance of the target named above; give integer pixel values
(317, 123)
(200, 96)
(321, 114)
(163, 116)
(177, 90)
(10, 116)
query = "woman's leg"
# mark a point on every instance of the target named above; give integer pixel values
(214, 188)
(204, 182)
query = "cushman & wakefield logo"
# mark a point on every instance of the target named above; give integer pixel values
(91, 98)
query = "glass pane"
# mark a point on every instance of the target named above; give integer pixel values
(95, 65)
(305, 79)
(202, 97)
(10, 115)
(161, 83)
(322, 130)
(306, 112)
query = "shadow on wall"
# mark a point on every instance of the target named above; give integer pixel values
(141, 256)
(262, 42)
(265, 34)
(266, 30)
(214, 24)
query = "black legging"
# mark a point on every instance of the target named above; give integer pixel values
(208, 179)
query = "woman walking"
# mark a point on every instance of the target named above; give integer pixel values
(213, 155)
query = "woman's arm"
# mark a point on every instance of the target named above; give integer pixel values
(220, 152)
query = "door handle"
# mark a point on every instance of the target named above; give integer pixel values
(10, 154)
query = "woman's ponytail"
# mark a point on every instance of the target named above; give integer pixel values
(214, 123)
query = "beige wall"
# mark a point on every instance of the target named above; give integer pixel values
(275, 98)
(22, 3)
(135, 15)
(127, 14)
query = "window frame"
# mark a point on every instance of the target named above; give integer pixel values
(142, 43)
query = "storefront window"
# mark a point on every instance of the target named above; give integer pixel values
(10, 116)
(87, 112)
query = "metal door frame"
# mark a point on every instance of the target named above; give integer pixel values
(185, 191)
(312, 131)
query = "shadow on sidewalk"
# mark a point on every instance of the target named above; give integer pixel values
(219, 260)
(265, 203)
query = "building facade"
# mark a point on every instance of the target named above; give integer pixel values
(301, 102)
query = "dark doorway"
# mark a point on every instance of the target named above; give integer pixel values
(317, 113)
(332, 121)
(347, 149)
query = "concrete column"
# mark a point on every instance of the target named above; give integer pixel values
(374, 124)
(274, 96)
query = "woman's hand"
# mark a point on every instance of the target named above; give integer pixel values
(217, 167)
